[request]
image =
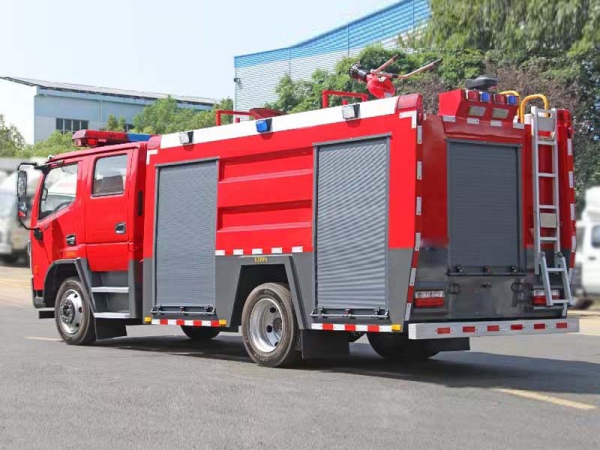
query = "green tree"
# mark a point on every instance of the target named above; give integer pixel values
(164, 116)
(11, 141)
(56, 143)
(114, 124)
(548, 46)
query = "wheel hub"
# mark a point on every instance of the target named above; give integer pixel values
(71, 311)
(266, 325)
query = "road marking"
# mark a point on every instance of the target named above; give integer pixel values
(548, 399)
(12, 284)
(34, 338)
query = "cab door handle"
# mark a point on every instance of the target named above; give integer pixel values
(120, 228)
(71, 240)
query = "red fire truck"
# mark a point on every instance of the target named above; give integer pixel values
(309, 230)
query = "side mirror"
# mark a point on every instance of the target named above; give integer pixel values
(22, 186)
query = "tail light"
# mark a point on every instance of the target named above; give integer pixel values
(429, 299)
(539, 297)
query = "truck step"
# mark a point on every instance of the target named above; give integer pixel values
(110, 290)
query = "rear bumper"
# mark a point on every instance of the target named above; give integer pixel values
(492, 328)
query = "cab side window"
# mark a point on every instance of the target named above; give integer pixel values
(59, 189)
(596, 236)
(110, 175)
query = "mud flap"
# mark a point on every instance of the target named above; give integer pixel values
(324, 344)
(106, 329)
(446, 345)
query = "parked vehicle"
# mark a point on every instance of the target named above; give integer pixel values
(14, 239)
(586, 277)
(419, 230)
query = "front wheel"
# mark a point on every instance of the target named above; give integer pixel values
(269, 327)
(397, 347)
(73, 315)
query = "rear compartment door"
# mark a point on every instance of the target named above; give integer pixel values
(351, 225)
(484, 206)
(185, 227)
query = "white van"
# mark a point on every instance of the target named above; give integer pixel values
(586, 276)
(13, 237)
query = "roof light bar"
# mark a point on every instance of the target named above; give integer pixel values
(97, 138)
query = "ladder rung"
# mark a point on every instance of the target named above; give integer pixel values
(548, 239)
(552, 207)
(556, 269)
(546, 175)
(542, 141)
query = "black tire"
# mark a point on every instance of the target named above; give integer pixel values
(354, 336)
(10, 259)
(582, 303)
(287, 350)
(84, 326)
(397, 347)
(200, 333)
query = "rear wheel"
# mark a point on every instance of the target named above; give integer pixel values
(200, 333)
(397, 347)
(582, 303)
(73, 315)
(269, 327)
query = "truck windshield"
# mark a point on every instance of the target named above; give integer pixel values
(7, 203)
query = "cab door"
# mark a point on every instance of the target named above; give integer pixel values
(58, 217)
(108, 225)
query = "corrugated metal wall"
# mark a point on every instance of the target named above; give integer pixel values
(259, 73)
(185, 234)
(351, 231)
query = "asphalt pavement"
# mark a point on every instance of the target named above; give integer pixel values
(156, 390)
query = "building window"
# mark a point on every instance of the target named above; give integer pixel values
(71, 125)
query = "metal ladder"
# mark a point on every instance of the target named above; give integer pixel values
(548, 216)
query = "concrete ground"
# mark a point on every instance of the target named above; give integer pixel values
(157, 390)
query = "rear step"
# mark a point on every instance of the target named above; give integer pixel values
(546, 121)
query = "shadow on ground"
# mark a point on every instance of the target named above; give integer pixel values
(456, 370)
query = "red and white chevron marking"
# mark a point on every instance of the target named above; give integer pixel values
(362, 328)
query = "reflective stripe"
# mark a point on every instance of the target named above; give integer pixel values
(500, 328)
(190, 323)
(394, 328)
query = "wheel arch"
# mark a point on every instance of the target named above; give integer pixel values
(61, 270)
(278, 269)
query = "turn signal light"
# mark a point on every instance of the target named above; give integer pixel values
(539, 297)
(429, 299)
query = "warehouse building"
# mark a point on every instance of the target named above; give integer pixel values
(39, 108)
(257, 75)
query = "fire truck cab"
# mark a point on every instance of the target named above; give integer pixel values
(309, 230)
